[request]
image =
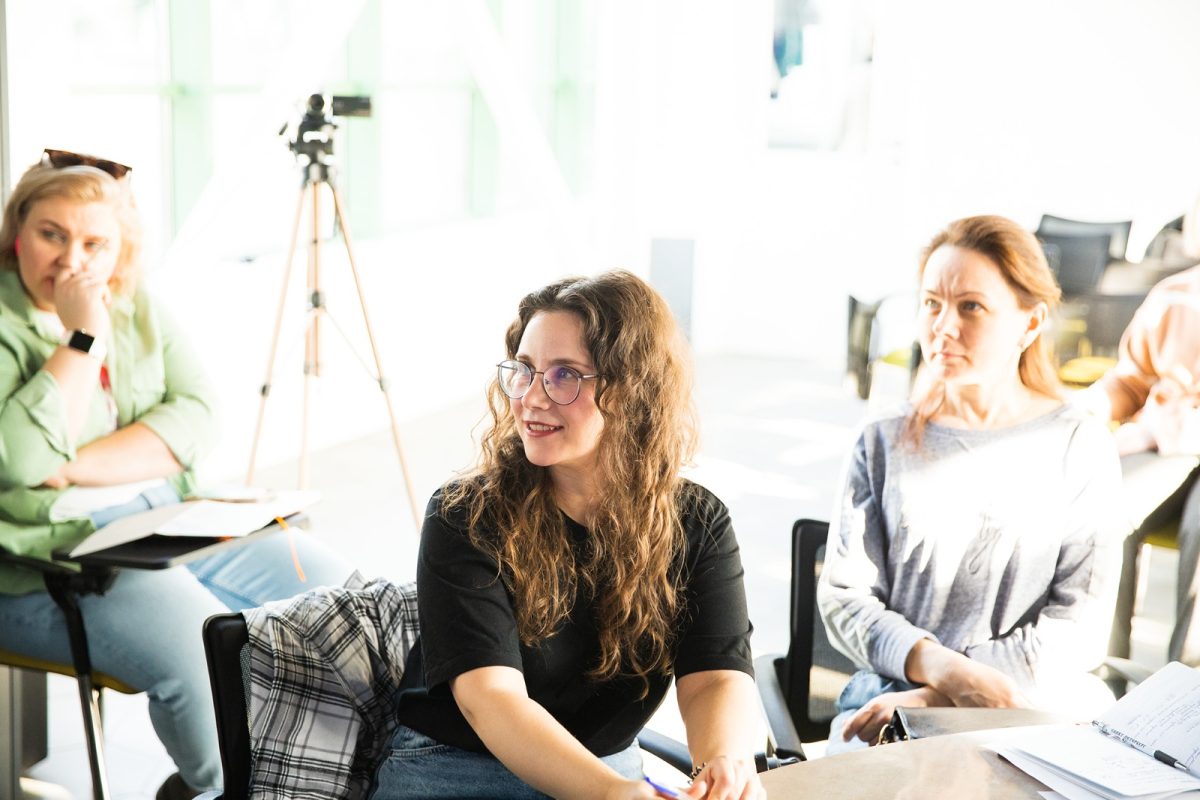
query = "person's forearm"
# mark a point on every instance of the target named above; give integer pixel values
(538, 750)
(964, 681)
(133, 453)
(929, 664)
(78, 376)
(720, 711)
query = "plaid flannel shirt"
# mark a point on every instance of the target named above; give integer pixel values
(325, 668)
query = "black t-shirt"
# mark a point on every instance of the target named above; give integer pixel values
(467, 622)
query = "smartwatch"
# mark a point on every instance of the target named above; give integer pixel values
(85, 343)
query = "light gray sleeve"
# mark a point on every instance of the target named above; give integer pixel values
(1070, 634)
(854, 586)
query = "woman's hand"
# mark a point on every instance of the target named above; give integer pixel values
(726, 778)
(81, 302)
(871, 718)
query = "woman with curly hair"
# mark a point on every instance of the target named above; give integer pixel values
(573, 574)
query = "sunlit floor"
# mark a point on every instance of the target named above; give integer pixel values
(774, 436)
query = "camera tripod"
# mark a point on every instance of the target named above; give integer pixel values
(316, 174)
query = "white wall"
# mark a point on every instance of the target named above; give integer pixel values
(1081, 108)
(1084, 108)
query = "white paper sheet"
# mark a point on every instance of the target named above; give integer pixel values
(1108, 767)
(1161, 713)
(127, 529)
(1064, 787)
(214, 518)
(197, 518)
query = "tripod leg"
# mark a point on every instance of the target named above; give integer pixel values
(312, 338)
(266, 386)
(383, 383)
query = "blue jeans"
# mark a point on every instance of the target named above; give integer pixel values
(864, 686)
(145, 630)
(419, 767)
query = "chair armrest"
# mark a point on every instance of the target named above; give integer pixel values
(670, 750)
(1125, 669)
(784, 737)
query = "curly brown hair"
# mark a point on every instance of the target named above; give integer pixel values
(630, 570)
(1021, 261)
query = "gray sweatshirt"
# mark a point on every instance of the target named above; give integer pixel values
(1002, 544)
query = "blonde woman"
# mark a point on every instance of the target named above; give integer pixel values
(567, 581)
(105, 411)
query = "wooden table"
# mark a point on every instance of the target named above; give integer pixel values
(956, 766)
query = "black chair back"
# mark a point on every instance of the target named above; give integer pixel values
(811, 693)
(1118, 232)
(1077, 262)
(225, 639)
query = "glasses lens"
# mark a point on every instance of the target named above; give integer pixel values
(562, 384)
(514, 378)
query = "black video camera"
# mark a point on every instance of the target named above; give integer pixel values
(314, 134)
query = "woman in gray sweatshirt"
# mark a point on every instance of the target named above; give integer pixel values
(974, 553)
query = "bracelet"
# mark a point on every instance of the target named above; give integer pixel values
(697, 770)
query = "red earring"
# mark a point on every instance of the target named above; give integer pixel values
(17, 246)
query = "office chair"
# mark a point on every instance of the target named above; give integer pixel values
(1089, 331)
(225, 640)
(799, 690)
(1077, 261)
(1160, 528)
(863, 341)
(66, 586)
(1161, 244)
(1118, 232)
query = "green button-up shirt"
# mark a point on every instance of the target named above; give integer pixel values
(156, 380)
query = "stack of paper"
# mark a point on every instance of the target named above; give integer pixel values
(1147, 747)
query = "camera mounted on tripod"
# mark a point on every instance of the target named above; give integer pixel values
(314, 133)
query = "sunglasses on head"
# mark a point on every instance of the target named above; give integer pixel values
(65, 158)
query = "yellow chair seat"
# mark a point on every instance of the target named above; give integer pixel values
(1166, 536)
(898, 358)
(1085, 371)
(10, 659)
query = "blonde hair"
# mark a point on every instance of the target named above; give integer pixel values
(81, 184)
(630, 570)
(1022, 263)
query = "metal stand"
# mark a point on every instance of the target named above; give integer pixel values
(316, 174)
(66, 589)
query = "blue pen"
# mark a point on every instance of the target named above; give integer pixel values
(663, 790)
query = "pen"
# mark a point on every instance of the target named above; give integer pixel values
(663, 790)
(1171, 761)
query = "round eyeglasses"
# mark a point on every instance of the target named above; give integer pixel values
(562, 383)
